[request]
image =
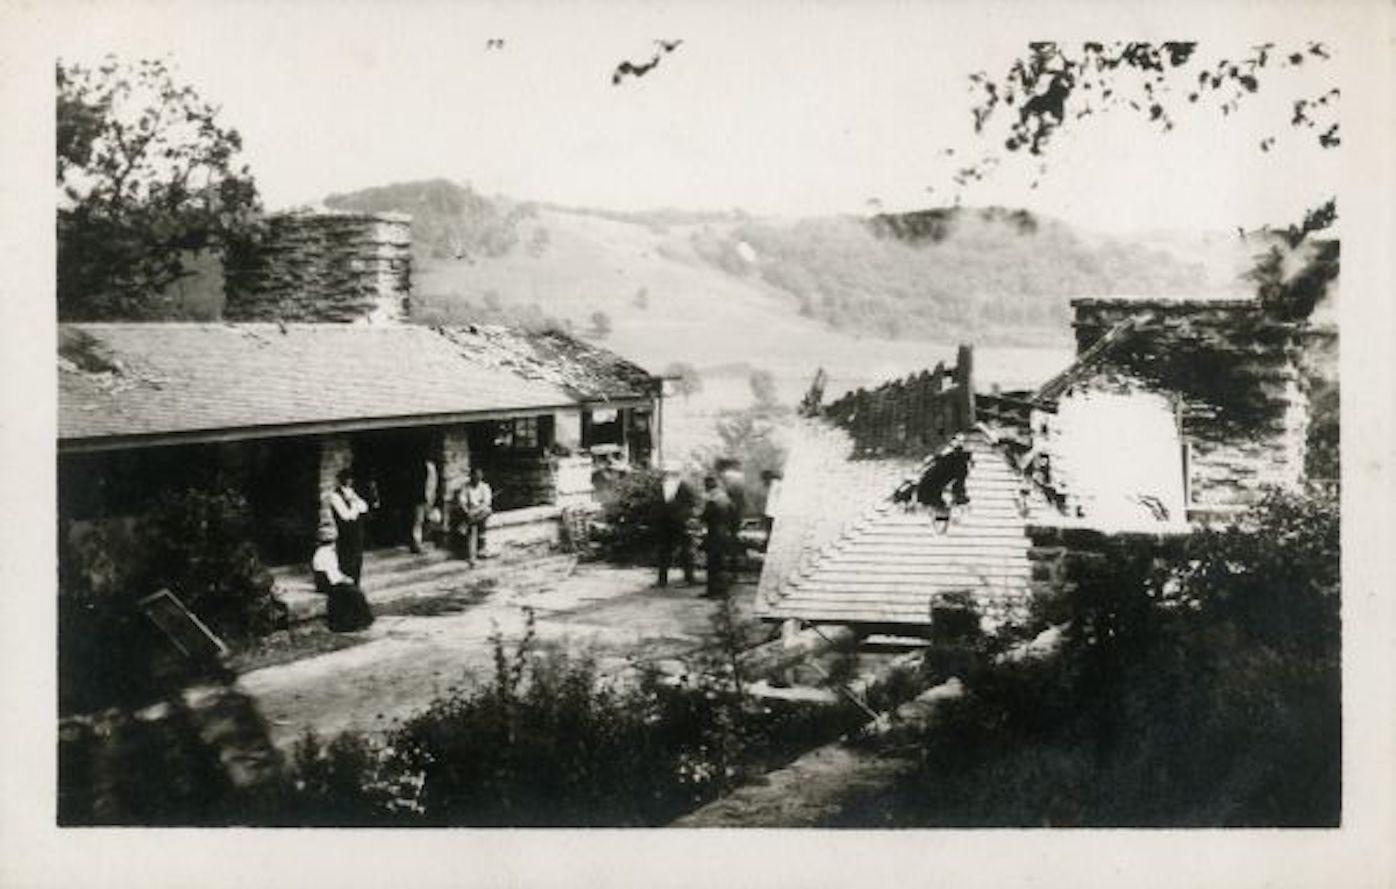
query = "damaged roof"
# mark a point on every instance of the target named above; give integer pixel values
(585, 371)
(874, 562)
(138, 380)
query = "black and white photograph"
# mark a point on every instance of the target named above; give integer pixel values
(880, 420)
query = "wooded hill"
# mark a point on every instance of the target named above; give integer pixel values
(991, 274)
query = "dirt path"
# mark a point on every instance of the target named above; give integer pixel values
(825, 782)
(614, 613)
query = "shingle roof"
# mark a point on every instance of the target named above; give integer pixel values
(887, 564)
(128, 379)
(587, 372)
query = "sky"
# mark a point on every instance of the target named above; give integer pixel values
(783, 109)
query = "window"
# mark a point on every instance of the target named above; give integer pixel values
(526, 434)
(523, 434)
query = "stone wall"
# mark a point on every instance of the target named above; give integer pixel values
(326, 267)
(336, 453)
(520, 479)
(455, 460)
(1235, 373)
(573, 481)
(1062, 557)
(909, 416)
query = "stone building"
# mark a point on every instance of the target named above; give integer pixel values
(312, 371)
(277, 409)
(1173, 413)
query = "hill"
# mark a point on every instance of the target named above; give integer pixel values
(990, 274)
(867, 299)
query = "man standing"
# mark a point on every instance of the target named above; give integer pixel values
(717, 518)
(734, 485)
(476, 503)
(772, 478)
(348, 509)
(678, 502)
(425, 486)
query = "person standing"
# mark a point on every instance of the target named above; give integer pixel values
(733, 482)
(425, 486)
(717, 520)
(476, 504)
(348, 509)
(772, 478)
(677, 504)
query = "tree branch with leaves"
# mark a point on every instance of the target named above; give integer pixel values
(146, 176)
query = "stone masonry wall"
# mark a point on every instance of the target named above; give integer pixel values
(455, 460)
(1062, 557)
(325, 267)
(520, 479)
(1245, 411)
(335, 454)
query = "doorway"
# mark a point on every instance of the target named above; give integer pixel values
(390, 469)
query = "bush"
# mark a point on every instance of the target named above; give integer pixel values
(630, 512)
(751, 437)
(195, 543)
(199, 544)
(550, 742)
(1199, 689)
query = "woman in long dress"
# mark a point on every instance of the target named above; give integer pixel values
(347, 609)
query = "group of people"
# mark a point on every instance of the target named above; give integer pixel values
(337, 563)
(720, 508)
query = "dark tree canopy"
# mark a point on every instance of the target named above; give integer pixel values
(146, 176)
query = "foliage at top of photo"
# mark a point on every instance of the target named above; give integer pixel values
(147, 175)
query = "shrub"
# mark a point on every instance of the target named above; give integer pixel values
(197, 544)
(550, 742)
(630, 514)
(1198, 689)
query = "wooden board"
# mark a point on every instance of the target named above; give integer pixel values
(181, 626)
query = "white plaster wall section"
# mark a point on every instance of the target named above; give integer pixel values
(1121, 454)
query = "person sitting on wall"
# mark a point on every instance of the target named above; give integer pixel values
(347, 609)
(948, 467)
(474, 505)
(678, 503)
(348, 510)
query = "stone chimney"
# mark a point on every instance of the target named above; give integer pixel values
(323, 267)
(1245, 410)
